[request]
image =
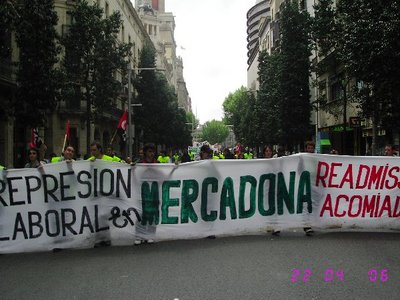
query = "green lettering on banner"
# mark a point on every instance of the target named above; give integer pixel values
(227, 199)
(284, 195)
(271, 195)
(190, 192)
(243, 213)
(167, 202)
(150, 203)
(212, 216)
(304, 192)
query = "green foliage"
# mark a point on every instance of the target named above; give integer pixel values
(215, 132)
(234, 105)
(37, 79)
(295, 49)
(93, 56)
(159, 119)
(269, 98)
(361, 37)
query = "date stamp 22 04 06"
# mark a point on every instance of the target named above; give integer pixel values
(306, 275)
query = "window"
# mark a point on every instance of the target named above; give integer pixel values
(336, 90)
(123, 34)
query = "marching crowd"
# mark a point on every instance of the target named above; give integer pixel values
(148, 154)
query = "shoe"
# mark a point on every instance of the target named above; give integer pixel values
(308, 231)
(138, 242)
(276, 233)
(150, 241)
(211, 237)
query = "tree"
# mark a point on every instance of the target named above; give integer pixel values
(269, 98)
(234, 105)
(37, 80)
(93, 55)
(370, 40)
(215, 132)
(295, 50)
(362, 37)
(158, 99)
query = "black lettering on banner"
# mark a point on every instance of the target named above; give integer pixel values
(19, 226)
(56, 221)
(126, 186)
(102, 182)
(89, 176)
(29, 188)
(11, 191)
(33, 224)
(48, 192)
(2, 189)
(95, 182)
(125, 215)
(85, 221)
(64, 187)
(96, 219)
(65, 224)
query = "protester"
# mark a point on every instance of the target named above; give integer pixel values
(389, 150)
(146, 230)
(310, 148)
(185, 156)
(96, 150)
(67, 156)
(34, 161)
(268, 152)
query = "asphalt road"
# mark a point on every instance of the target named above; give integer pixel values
(246, 267)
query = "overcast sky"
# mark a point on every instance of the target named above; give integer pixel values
(211, 39)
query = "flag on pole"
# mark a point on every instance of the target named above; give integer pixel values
(123, 122)
(67, 129)
(36, 140)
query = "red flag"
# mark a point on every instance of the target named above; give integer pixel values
(123, 122)
(36, 141)
(67, 130)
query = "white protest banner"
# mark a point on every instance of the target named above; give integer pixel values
(75, 205)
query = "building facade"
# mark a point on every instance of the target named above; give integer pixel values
(14, 140)
(160, 26)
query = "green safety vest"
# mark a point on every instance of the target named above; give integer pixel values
(116, 159)
(105, 157)
(248, 155)
(56, 159)
(163, 159)
(2, 167)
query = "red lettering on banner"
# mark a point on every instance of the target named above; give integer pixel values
(322, 177)
(348, 177)
(368, 206)
(396, 211)
(386, 206)
(327, 206)
(359, 198)
(337, 206)
(395, 178)
(375, 177)
(360, 172)
(332, 174)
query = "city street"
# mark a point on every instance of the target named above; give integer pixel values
(330, 265)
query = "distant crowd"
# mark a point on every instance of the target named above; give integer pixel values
(148, 154)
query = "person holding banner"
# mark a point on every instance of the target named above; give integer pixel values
(144, 233)
(96, 150)
(34, 161)
(67, 155)
(310, 148)
(389, 150)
